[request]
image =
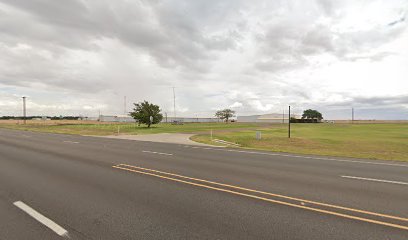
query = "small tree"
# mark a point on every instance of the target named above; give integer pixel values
(312, 114)
(293, 120)
(144, 110)
(225, 114)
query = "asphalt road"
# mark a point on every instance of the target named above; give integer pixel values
(81, 187)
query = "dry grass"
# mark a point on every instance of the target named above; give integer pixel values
(50, 122)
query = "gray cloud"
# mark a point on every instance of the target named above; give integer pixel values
(267, 53)
(381, 101)
(396, 22)
(369, 102)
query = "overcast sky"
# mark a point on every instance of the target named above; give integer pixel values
(80, 56)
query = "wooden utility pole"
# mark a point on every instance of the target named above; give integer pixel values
(289, 123)
(24, 110)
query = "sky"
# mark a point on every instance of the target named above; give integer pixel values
(82, 57)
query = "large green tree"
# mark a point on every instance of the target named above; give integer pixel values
(312, 114)
(225, 114)
(144, 110)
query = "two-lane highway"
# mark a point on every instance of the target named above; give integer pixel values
(64, 186)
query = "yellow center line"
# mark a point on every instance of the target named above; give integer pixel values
(268, 200)
(272, 194)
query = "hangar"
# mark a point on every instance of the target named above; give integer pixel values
(266, 118)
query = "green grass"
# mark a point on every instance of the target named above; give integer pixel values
(129, 128)
(373, 141)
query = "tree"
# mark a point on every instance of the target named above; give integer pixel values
(225, 114)
(312, 114)
(293, 120)
(144, 110)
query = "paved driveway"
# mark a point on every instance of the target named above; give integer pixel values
(179, 138)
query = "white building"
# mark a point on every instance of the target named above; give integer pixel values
(127, 118)
(266, 118)
(190, 119)
(118, 118)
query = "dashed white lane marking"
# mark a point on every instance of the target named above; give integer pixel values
(70, 142)
(42, 219)
(375, 180)
(160, 153)
(306, 157)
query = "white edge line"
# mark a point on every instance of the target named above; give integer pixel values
(70, 142)
(160, 153)
(225, 142)
(317, 158)
(375, 180)
(42, 219)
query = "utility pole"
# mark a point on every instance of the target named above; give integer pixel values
(289, 124)
(24, 110)
(174, 103)
(352, 115)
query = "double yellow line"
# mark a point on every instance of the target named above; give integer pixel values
(299, 203)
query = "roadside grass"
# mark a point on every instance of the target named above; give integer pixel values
(103, 129)
(372, 141)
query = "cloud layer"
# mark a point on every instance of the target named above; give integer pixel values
(82, 56)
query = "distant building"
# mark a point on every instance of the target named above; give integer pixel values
(126, 118)
(266, 118)
(190, 119)
(43, 118)
(92, 119)
(116, 118)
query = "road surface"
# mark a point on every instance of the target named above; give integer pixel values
(75, 187)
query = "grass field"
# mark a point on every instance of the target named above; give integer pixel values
(100, 129)
(374, 141)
